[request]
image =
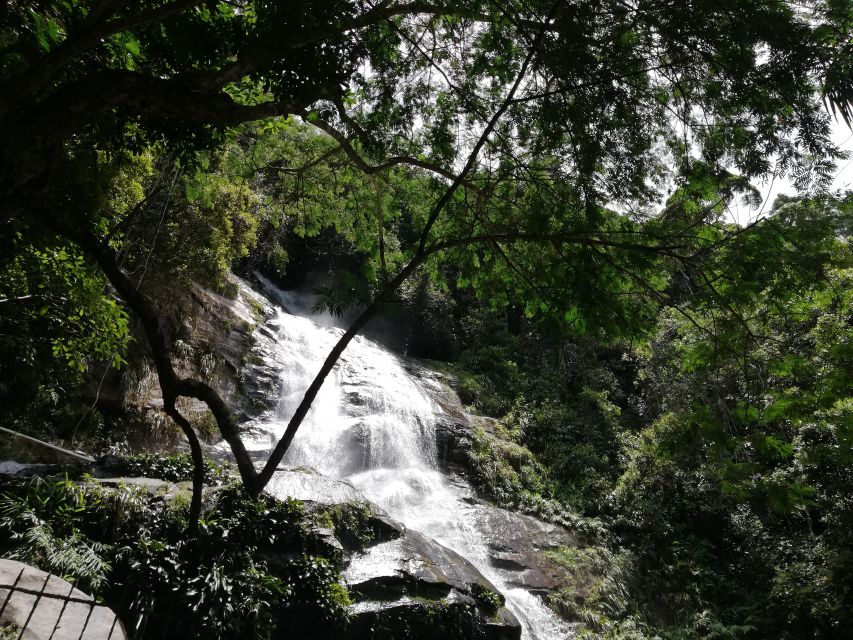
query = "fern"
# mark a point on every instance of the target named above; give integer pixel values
(32, 540)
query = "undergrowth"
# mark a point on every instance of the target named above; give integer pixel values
(255, 568)
(173, 468)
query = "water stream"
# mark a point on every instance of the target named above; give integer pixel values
(372, 425)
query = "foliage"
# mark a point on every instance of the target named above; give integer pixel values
(487, 600)
(252, 568)
(717, 452)
(511, 476)
(57, 321)
(125, 145)
(731, 495)
(351, 522)
(48, 523)
(506, 470)
(9, 632)
(174, 468)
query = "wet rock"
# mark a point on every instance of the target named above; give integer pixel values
(453, 424)
(358, 521)
(326, 535)
(412, 565)
(312, 487)
(502, 626)
(355, 399)
(14, 469)
(384, 526)
(153, 485)
(418, 619)
(516, 544)
(417, 588)
(511, 561)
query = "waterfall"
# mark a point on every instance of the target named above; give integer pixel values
(372, 425)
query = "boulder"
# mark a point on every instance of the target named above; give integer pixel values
(413, 587)
(312, 487)
(412, 565)
(516, 543)
(419, 619)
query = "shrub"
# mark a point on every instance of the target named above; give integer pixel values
(252, 568)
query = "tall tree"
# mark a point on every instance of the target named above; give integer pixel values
(535, 117)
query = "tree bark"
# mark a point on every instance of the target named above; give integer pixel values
(171, 386)
(198, 463)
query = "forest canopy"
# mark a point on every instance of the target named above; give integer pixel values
(526, 143)
(546, 182)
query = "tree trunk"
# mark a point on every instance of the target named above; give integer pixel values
(172, 387)
(198, 462)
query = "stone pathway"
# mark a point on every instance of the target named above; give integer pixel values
(46, 607)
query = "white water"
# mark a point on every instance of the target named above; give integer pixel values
(372, 425)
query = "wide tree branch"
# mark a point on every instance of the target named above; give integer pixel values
(29, 139)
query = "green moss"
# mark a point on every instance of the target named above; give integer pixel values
(595, 586)
(351, 522)
(504, 468)
(490, 602)
(582, 570)
(205, 426)
(512, 477)
(256, 308)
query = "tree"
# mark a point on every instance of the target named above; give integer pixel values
(537, 121)
(731, 494)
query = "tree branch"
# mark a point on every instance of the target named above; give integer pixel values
(386, 164)
(198, 464)
(172, 387)
(421, 255)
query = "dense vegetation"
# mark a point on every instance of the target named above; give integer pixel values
(254, 566)
(541, 189)
(719, 450)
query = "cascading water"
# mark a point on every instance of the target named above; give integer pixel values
(372, 425)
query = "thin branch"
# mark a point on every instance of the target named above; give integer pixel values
(198, 463)
(386, 164)
(420, 256)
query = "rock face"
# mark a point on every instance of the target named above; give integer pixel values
(403, 584)
(412, 565)
(45, 606)
(453, 424)
(212, 337)
(516, 543)
(414, 579)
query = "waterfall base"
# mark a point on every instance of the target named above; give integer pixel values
(403, 584)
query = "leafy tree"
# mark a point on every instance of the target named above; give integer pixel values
(536, 121)
(734, 495)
